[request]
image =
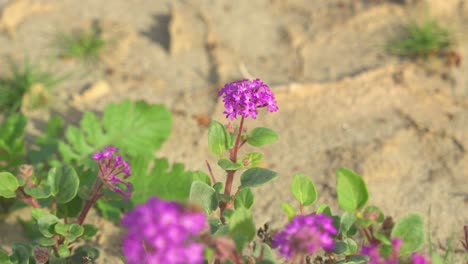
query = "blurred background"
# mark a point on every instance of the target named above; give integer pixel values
(378, 86)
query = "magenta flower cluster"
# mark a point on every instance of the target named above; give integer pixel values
(244, 97)
(113, 171)
(304, 235)
(376, 258)
(163, 232)
(374, 253)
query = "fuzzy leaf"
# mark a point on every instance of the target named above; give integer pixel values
(8, 185)
(254, 177)
(204, 195)
(137, 128)
(411, 229)
(64, 183)
(303, 189)
(260, 136)
(351, 189)
(218, 138)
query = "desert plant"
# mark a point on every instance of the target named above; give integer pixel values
(21, 81)
(421, 40)
(81, 44)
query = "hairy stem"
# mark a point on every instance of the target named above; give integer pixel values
(230, 173)
(95, 194)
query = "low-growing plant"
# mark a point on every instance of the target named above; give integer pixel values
(25, 79)
(424, 39)
(175, 216)
(84, 44)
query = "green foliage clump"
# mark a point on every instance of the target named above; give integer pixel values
(81, 44)
(20, 82)
(421, 40)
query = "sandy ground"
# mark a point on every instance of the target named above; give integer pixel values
(343, 101)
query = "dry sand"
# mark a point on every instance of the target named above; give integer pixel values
(343, 101)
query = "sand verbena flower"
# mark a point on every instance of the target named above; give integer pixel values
(114, 171)
(244, 97)
(163, 232)
(304, 235)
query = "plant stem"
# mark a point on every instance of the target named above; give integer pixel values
(230, 173)
(95, 194)
(211, 172)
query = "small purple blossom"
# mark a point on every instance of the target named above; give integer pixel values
(110, 170)
(244, 97)
(163, 232)
(305, 234)
(419, 259)
(374, 253)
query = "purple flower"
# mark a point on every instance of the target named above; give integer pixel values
(374, 253)
(244, 97)
(163, 232)
(419, 259)
(305, 234)
(111, 169)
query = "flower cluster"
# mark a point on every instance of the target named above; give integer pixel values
(305, 234)
(163, 232)
(244, 97)
(418, 259)
(374, 253)
(110, 168)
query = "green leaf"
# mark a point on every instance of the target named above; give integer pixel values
(303, 189)
(85, 252)
(89, 231)
(267, 255)
(411, 229)
(63, 251)
(8, 185)
(46, 242)
(218, 187)
(201, 176)
(41, 191)
(244, 198)
(163, 181)
(45, 224)
(138, 129)
(218, 138)
(253, 159)
(70, 231)
(254, 177)
(241, 227)
(21, 253)
(351, 189)
(227, 164)
(37, 213)
(70, 209)
(324, 208)
(358, 259)
(289, 210)
(12, 142)
(4, 258)
(64, 182)
(261, 135)
(204, 195)
(48, 142)
(346, 222)
(109, 210)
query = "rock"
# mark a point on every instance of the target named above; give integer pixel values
(93, 92)
(36, 97)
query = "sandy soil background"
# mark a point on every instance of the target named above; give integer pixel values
(343, 101)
